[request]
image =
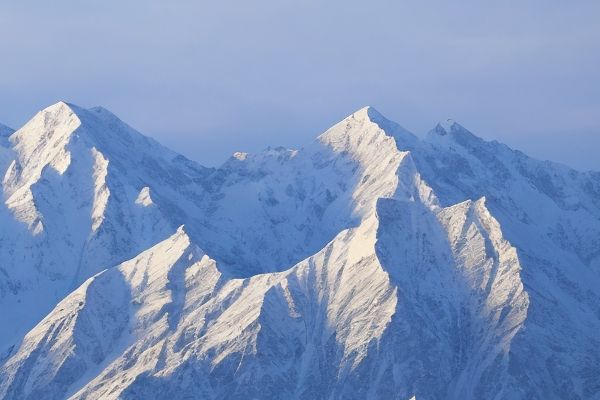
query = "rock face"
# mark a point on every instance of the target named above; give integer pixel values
(370, 264)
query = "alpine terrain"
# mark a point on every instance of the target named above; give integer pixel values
(370, 264)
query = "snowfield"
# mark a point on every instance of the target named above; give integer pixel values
(370, 264)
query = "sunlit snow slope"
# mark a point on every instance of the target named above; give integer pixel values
(371, 264)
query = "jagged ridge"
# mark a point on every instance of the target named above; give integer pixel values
(366, 265)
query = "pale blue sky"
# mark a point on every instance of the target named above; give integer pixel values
(210, 78)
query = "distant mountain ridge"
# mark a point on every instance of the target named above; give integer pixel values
(369, 264)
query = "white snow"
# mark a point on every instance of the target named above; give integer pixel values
(370, 264)
(144, 198)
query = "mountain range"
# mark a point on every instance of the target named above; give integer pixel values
(369, 264)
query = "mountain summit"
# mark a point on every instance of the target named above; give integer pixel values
(370, 263)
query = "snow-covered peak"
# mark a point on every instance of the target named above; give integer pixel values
(366, 122)
(39, 143)
(50, 130)
(44, 140)
(60, 108)
(361, 266)
(172, 249)
(450, 130)
(446, 126)
(80, 180)
(367, 112)
(44, 124)
(62, 132)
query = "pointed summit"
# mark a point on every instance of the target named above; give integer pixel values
(450, 131)
(178, 246)
(39, 143)
(367, 121)
(53, 127)
(367, 112)
(53, 123)
(49, 137)
(370, 114)
(447, 126)
(92, 146)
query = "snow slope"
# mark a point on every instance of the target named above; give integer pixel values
(70, 205)
(369, 264)
(5, 154)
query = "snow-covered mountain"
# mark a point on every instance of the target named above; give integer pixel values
(369, 264)
(77, 200)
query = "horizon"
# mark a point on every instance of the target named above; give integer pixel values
(209, 79)
(299, 146)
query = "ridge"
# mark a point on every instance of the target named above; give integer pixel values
(448, 126)
(362, 127)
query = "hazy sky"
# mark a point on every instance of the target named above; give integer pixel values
(211, 78)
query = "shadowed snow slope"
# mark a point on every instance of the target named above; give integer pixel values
(5, 133)
(5, 153)
(370, 264)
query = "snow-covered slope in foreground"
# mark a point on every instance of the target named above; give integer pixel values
(370, 264)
